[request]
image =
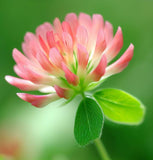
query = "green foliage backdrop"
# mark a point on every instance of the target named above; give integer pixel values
(136, 19)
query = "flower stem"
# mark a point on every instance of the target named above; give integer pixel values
(101, 149)
(83, 95)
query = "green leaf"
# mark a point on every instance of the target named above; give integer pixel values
(120, 107)
(88, 121)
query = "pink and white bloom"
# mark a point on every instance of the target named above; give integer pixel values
(63, 59)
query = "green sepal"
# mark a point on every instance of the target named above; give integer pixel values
(95, 85)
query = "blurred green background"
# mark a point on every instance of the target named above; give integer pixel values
(47, 134)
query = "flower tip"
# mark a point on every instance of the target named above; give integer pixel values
(71, 13)
(56, 19)
(7, 78)
(14, 51)
(107, 22)
(119, 32)
(72, 19)
(131, 46)
(21, 95)
(97, 14)
(57, 23)
(129, 51)
(81, 13)
(119, 29)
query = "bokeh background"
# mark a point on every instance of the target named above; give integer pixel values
(47, 134)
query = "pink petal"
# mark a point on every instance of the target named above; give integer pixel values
(85, 20)
(82, 36)
(34, 75)
(29, 37)
(57, 26)
(22, 61)
(99, 71)
(27, 51)
(71, 77)
(43, 45)
(19, 58)
(30, 48)
(115, 46)
(108, 30)
(62, 92)
(82, 56)
(38, 100)
(68, 43)
(71, 18)
(44, 62)
(43, 29)
(97, 23)
(22, 84)
(19, 72)
(58, 42)
(121, 63)
(50, 39)
(30, 74)
(67, 28)
(100, 44)
(55, 57)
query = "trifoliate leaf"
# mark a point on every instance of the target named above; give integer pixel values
(120, 107)
(88, 121)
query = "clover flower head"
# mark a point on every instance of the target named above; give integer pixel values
(64, 59)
